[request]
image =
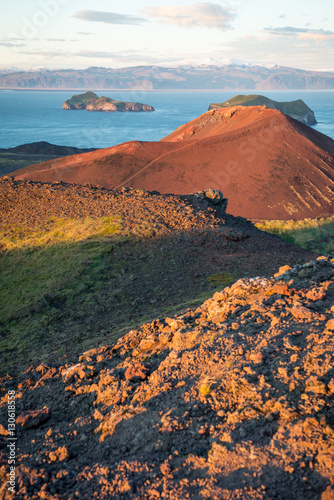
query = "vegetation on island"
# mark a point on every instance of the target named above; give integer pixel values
(296, 109)
(91, 102)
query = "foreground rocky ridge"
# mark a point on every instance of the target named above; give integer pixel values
(231, 400)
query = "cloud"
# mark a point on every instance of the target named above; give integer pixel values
(108, 17)
(133, 56)
(317, 35)
(56, 39)
(100, 54)
(45, 53)
(60, 40)
(302, 33)
(13, 42)
(265, 49)
(286, 30)
(204, 14)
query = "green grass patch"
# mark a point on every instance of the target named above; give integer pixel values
(36, 263)
(221, 280)
(41, 270)
(312, 234)
(58, 231)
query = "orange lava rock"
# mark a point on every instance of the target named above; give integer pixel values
(282, 270)
(331, 386)
(42, 368)
(301, 312)
(328, 494)
(330, 324)
(62, 473)
(33, 418)
(74, 372)
(165, 468)
(136, 373)
(25, 383)
(281, 289)
(3, 431)
(313, 384)
(256, 357)
(316, 294)
(60, 454)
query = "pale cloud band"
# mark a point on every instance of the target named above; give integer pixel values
(204, 14)
(302, 33)
(108, 17)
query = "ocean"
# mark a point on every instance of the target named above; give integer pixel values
(34, 115)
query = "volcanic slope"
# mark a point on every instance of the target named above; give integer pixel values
(268, 165)
(233, 400)
(80, 265)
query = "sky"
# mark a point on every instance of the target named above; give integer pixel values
(60, 34)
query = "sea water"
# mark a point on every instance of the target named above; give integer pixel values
(33, 115)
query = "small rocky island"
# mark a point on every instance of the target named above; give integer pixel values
(296, 109)
(91, 102)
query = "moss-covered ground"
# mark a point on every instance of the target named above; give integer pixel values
(312, 234)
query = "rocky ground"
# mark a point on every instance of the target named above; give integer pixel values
(172, 252)
(231, 400)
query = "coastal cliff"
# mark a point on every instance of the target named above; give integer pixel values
(296, 109)
(91, 102)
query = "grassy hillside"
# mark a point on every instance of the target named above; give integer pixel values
(312, 234)
(45, 276)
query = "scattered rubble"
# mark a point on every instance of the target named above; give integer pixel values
(231, 400)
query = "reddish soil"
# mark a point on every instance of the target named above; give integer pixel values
(267, 164)
(233, 400)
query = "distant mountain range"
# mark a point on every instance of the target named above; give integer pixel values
(186, 77)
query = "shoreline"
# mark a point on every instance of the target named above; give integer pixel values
(16, 89)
